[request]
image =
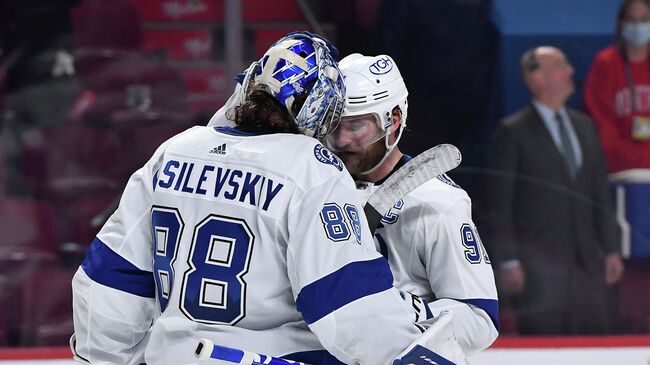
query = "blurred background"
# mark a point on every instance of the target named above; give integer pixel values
(90, 88)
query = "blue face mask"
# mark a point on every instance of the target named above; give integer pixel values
(636, 34)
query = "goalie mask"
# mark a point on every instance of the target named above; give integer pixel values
(374, 88)
(302, 64)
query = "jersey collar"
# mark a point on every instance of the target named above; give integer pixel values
(233, 131)
(403, 160)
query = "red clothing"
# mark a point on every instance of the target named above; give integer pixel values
(608, 101)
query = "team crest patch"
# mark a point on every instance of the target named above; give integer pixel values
(325, 156)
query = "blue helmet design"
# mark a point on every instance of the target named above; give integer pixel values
(302, 63)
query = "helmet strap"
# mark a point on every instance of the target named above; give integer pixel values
(249, 79)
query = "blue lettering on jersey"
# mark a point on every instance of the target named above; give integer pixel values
(186, 188)
(271, 192)
(474, 250)
(338, 223)
(221, 179)
(261, 185)
(248, 188)
(325, 156)
(202, 178)
(393, 214)
(231, 184)
(234, 184)
(171, 175)
(180, 176)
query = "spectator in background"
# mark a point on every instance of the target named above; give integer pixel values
(554, 237)
(617, 92)
(33, 36)
(38, 83)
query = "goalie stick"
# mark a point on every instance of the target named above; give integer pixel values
(420, 169)
(206, 349)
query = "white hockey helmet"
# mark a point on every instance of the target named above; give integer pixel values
(373, 84)
(374, 87)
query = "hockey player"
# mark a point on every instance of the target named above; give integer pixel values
(428, 237)
(249, 236)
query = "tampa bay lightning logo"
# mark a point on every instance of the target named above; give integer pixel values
(381, 66)
(325, 156)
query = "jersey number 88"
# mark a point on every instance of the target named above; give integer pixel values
(213, 289)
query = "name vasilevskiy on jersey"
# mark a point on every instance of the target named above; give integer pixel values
(231, 184)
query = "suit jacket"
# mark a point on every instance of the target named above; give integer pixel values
(538, 213)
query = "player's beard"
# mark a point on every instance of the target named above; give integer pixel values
(358, 162)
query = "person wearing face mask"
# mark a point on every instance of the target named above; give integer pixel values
(617, 90)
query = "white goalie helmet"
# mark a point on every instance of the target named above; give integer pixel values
(374, 87)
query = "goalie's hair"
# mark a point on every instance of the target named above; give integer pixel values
(263, 113)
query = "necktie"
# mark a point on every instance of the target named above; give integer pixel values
(567, 146)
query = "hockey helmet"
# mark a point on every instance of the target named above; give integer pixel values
(374, 87)
(296, 64)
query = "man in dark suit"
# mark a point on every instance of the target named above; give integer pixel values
(554, 236)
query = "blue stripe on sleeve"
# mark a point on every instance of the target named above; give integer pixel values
(349, 283)
(490, 306)
(106, 267)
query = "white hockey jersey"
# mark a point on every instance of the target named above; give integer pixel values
(251, 241)
(434, 251)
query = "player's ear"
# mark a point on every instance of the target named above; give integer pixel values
(396, 119)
